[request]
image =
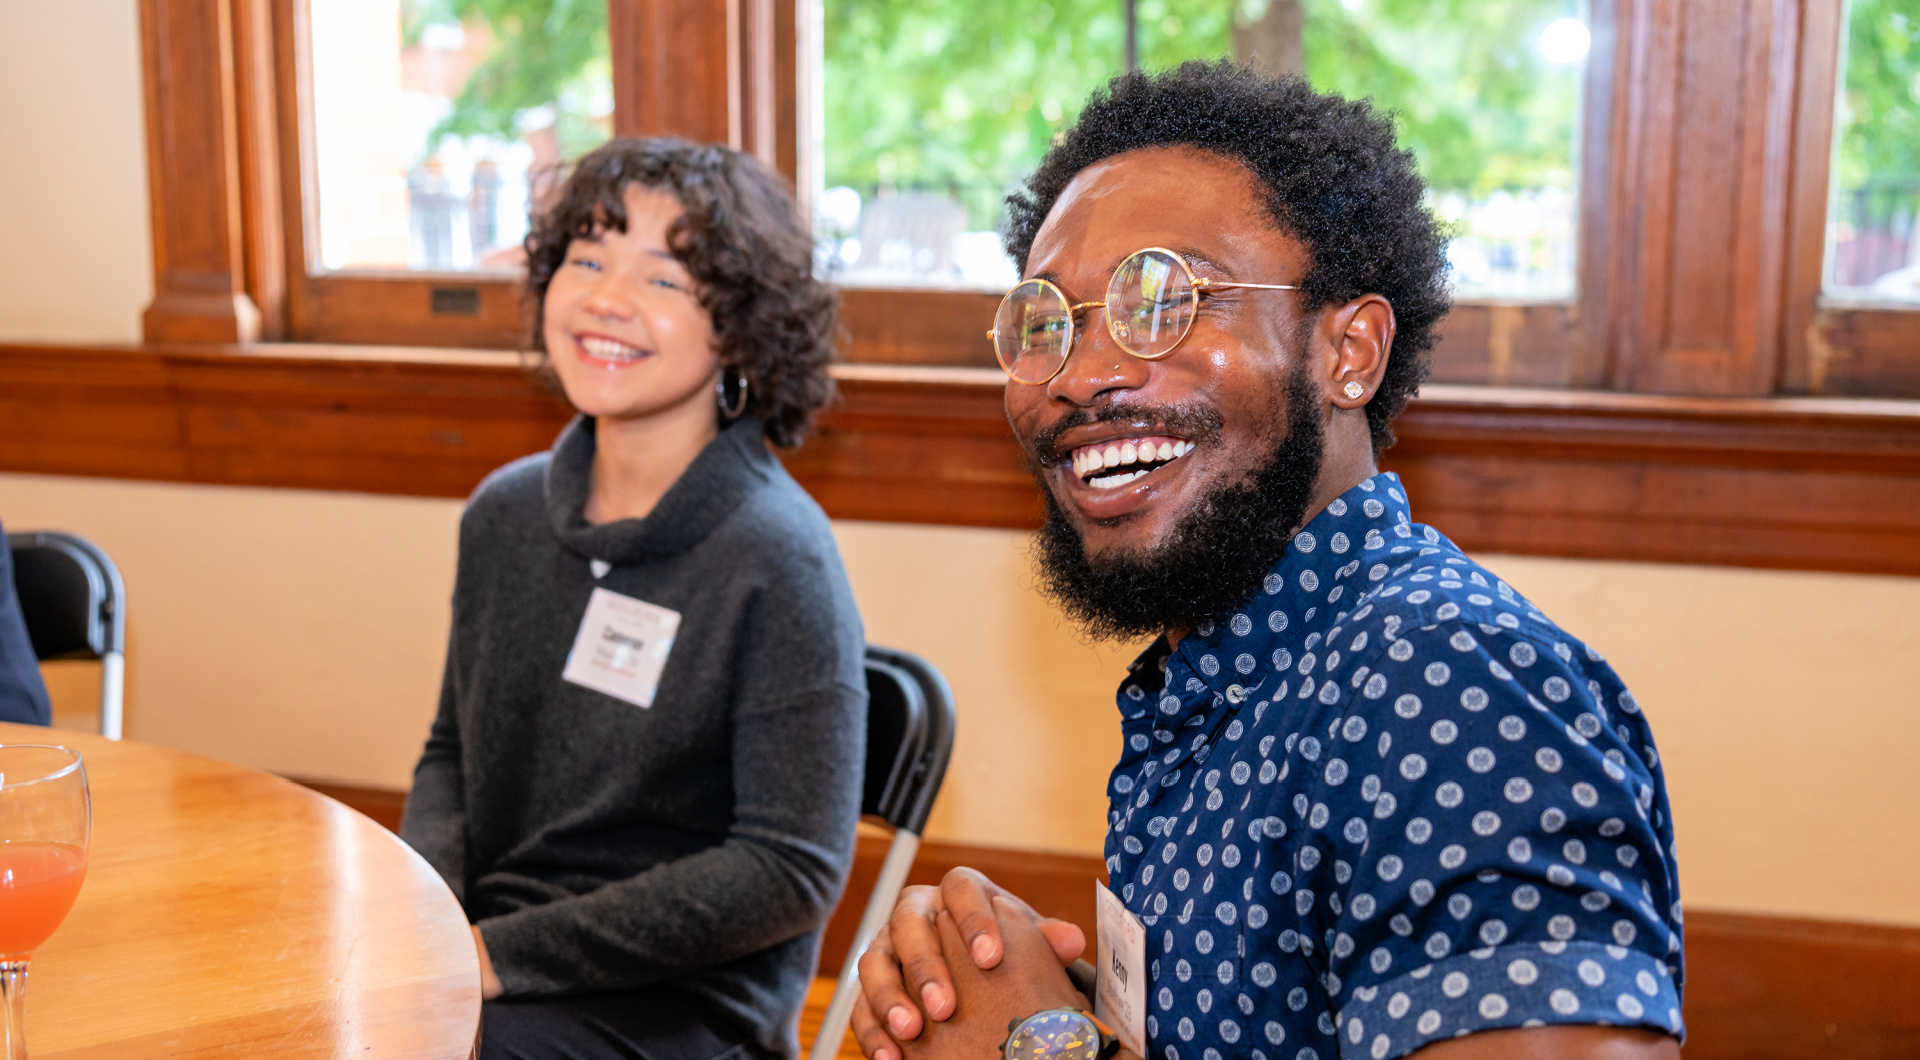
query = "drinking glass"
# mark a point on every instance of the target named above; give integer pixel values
(46, 820)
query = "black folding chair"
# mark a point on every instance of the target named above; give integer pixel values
(75, 606)
(909, 740)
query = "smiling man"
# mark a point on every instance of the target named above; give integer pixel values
(1371, 800)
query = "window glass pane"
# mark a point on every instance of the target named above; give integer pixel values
(1873, 245)
(934, 109)
(436, 121)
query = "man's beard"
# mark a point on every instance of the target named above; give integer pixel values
(1218, 553)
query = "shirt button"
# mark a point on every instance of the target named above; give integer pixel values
(1236, 694)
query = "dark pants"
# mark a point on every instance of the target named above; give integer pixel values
(653, 1023)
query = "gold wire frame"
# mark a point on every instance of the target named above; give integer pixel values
(1195, 288)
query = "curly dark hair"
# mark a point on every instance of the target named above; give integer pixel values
(742, 240)
(1332, 178)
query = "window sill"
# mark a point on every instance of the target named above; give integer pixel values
(1811, 483)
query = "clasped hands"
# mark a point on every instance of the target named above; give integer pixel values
(954, 965)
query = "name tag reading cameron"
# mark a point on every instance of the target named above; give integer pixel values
(622, 646)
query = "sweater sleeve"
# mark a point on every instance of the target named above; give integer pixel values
(777, 874)
(435, 820)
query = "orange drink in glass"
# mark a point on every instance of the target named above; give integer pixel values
(46, 821)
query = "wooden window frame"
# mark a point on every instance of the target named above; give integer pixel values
(1714, 409)
(232, 164)
(1681, 288)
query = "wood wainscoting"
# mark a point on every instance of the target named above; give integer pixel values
(1758, 987)
(1809, 483)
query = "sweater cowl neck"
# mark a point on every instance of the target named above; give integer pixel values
(732, 465)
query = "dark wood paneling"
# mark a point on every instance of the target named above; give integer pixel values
(895, 326)
(1758, 987)
(1590, 358)
(193, 170)
(1811, 483)
(258, 121)
(414, 423)
(1700, 194)
(397, 308)
(918, 445)
(1863, 351)
(678, 68)
(1499, 344)
(1761, 988)
(1821, 26)
(1769, 483)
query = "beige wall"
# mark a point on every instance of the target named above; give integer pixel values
(76, 263)
(302, 632)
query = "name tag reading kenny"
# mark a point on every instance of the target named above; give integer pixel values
(1120, 979)
(622, 646)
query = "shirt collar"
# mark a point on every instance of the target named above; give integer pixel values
(1315, 581)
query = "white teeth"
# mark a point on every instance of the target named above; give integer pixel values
(609, 350)
(1108, 482)
(1090, 460)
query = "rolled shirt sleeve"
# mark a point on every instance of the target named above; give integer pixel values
(1484, 845)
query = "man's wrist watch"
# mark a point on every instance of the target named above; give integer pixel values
(1059, 1034)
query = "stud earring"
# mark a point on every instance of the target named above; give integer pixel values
(1354, 390)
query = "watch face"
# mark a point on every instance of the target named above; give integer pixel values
(1057, 1035)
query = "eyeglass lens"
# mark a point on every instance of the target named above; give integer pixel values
(1150, 305)
(1032, 331)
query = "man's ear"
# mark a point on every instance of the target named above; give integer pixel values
(1359, 339)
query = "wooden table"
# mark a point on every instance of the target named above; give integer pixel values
(229, 913)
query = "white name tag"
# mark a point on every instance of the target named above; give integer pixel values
(622, 647)
(1120, 979)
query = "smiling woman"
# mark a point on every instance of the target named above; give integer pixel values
(636, 783)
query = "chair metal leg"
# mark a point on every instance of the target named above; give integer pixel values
(886, 890)
(113, 675)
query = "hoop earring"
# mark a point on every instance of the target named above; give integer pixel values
(730, 410)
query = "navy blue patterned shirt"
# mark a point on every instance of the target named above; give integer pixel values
(1386, 803)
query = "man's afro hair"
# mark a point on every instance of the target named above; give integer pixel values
(1333, 179)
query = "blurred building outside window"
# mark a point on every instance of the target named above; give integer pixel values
(932, 111)
(437, 123)
(1873, 241)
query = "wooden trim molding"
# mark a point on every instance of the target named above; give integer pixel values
(1699, 194)
(1812, 483)
(194, 138)
(1758, 987)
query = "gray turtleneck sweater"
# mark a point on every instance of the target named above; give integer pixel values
(700, 842)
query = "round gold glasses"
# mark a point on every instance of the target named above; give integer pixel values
(1151, 302)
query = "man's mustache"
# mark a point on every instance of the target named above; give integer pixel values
(1199, 423)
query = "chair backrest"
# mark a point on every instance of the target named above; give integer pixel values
(909, 741)
(909, 737)
(71, 596)
(896, 733)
